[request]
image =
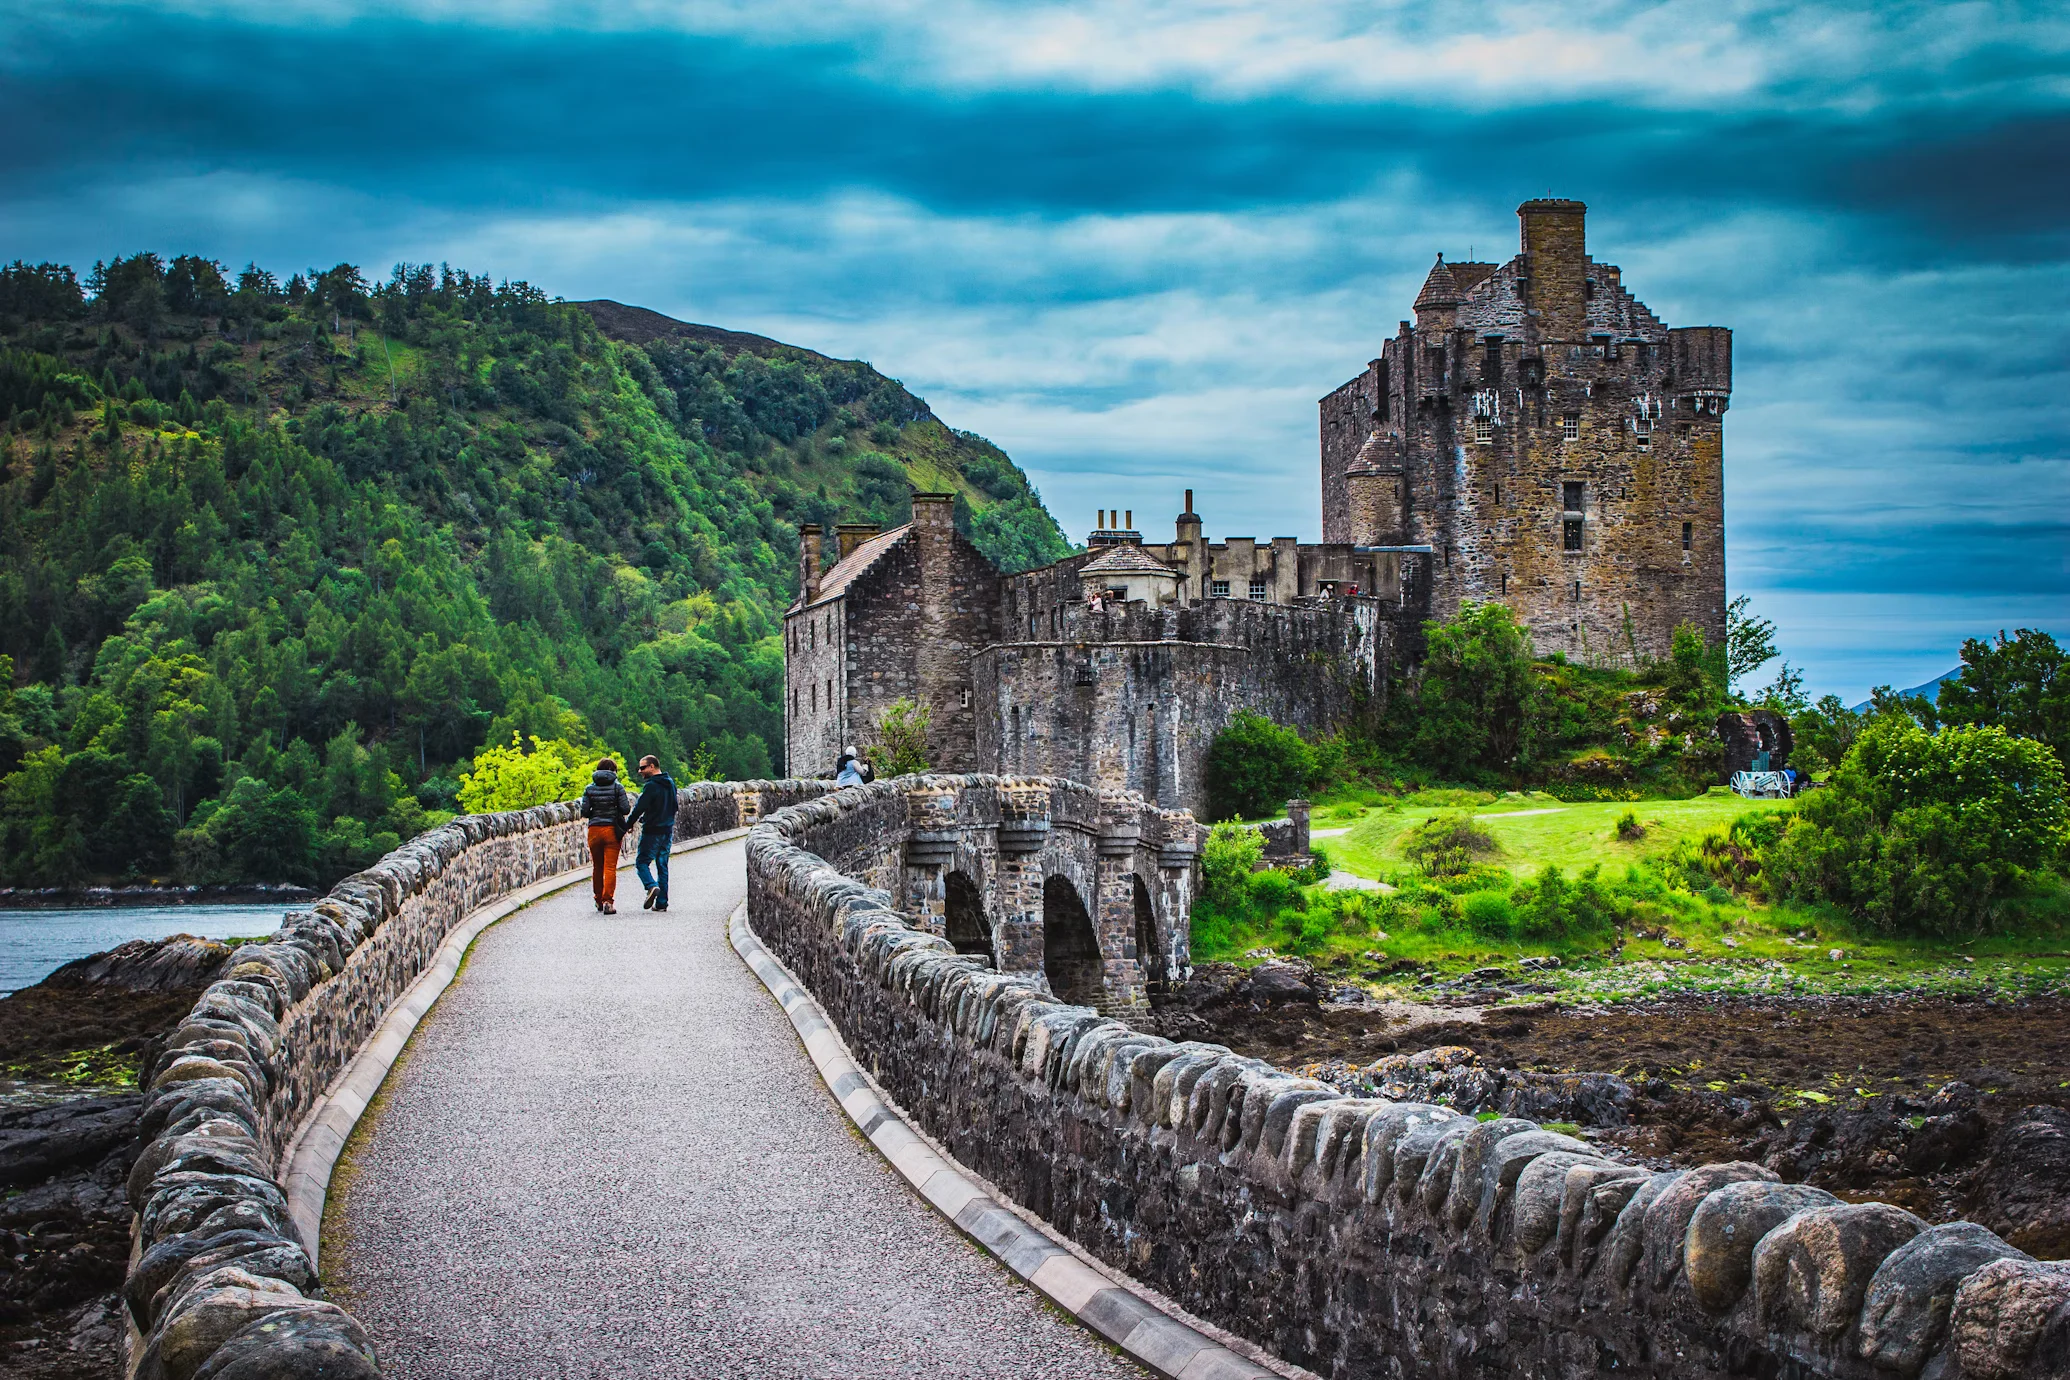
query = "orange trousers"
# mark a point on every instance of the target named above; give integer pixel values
(603, 863)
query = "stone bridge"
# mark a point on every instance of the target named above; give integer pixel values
(1089, 891)
(609, 1153)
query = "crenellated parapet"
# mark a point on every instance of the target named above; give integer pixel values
(1356, 1236)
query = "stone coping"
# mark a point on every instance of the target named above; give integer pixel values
(1113, 1307)
(313, 1153)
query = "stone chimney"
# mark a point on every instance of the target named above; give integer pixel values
(1196, 552)
(934, 511)
(853, 534)
(1556, 258)
(808, 562)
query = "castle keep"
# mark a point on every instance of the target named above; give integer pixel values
(1537, 438)
(1559, 449)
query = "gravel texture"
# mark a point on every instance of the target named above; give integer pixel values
(605, 1154)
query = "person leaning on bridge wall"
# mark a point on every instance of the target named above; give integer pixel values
(655, 813)
(605, 805)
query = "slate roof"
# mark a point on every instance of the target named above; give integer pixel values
(844, 571)
(1439, 289)
(1126, 560)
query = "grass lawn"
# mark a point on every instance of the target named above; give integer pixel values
(1533, 829)
(1672, 940)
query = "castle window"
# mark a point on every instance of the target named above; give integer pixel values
(830, 694)
(1573, 533)
(1484, 430)
(1505, 582)
(1491, 361)
(1688, 531)
(794, 701)
(1572, 494)
(1645, 440)
(1218, 589)
(815, 697)
(1498, 494)
(1570, 427)
(1577, 591)
(1257, 588)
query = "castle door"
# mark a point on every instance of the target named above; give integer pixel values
(1070, 952)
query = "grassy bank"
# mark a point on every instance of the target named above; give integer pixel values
(1633, 912)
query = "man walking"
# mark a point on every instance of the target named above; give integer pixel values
(656, 813)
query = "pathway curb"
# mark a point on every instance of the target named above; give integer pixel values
(1139, 1326)
(320, 1138)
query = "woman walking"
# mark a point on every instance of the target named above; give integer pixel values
(605, 805)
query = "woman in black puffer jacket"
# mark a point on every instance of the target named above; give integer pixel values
(605, 805)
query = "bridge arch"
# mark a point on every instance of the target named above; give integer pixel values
(969, 927)
(1070, 949)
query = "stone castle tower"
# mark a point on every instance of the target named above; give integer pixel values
(1557, 447)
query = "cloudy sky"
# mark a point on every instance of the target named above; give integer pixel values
(1134, 242)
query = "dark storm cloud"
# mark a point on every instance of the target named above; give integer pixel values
(476, 116)
(1145, 277)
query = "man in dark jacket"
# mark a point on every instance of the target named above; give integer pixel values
(605, 805)
(656, 814)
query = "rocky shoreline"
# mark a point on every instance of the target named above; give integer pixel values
(1951, 1109)
(67, 1147)
(147, 894)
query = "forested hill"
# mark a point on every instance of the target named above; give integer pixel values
(277, 558)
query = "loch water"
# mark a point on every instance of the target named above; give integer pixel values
(36, 943)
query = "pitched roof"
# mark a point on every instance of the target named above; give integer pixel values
(844, 571)
(1439, 289)
(1373, 454)
(1126, 560)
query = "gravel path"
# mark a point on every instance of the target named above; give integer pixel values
(605, 1154)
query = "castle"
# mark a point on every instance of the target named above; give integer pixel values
(1557, 447)
(1537, 438)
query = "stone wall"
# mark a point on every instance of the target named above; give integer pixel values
(1131, 698)
(220, 1285)
(1365, 1237)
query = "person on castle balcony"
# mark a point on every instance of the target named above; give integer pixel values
(655, 813)
(605, 805)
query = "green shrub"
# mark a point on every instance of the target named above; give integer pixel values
(1231, 855)
(1924, 833)
(1449, 845)
(1254, 767)
(1272, 891)
(1478, 707)
(1489, 914)
(1628, 827)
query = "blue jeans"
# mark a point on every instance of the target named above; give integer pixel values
(654, 850)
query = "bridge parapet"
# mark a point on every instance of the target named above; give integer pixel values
(224, 1281)
(1351, 1236)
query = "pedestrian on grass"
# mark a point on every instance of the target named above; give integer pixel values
(605, 805)
(655, 813)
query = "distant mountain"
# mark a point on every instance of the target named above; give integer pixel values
(1930, 691)
(278, 558)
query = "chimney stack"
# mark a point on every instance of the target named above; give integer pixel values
(853, 534)
(808, 562)
(1128, 520)
(934, 510)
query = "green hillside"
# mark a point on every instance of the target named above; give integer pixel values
(276, 559)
